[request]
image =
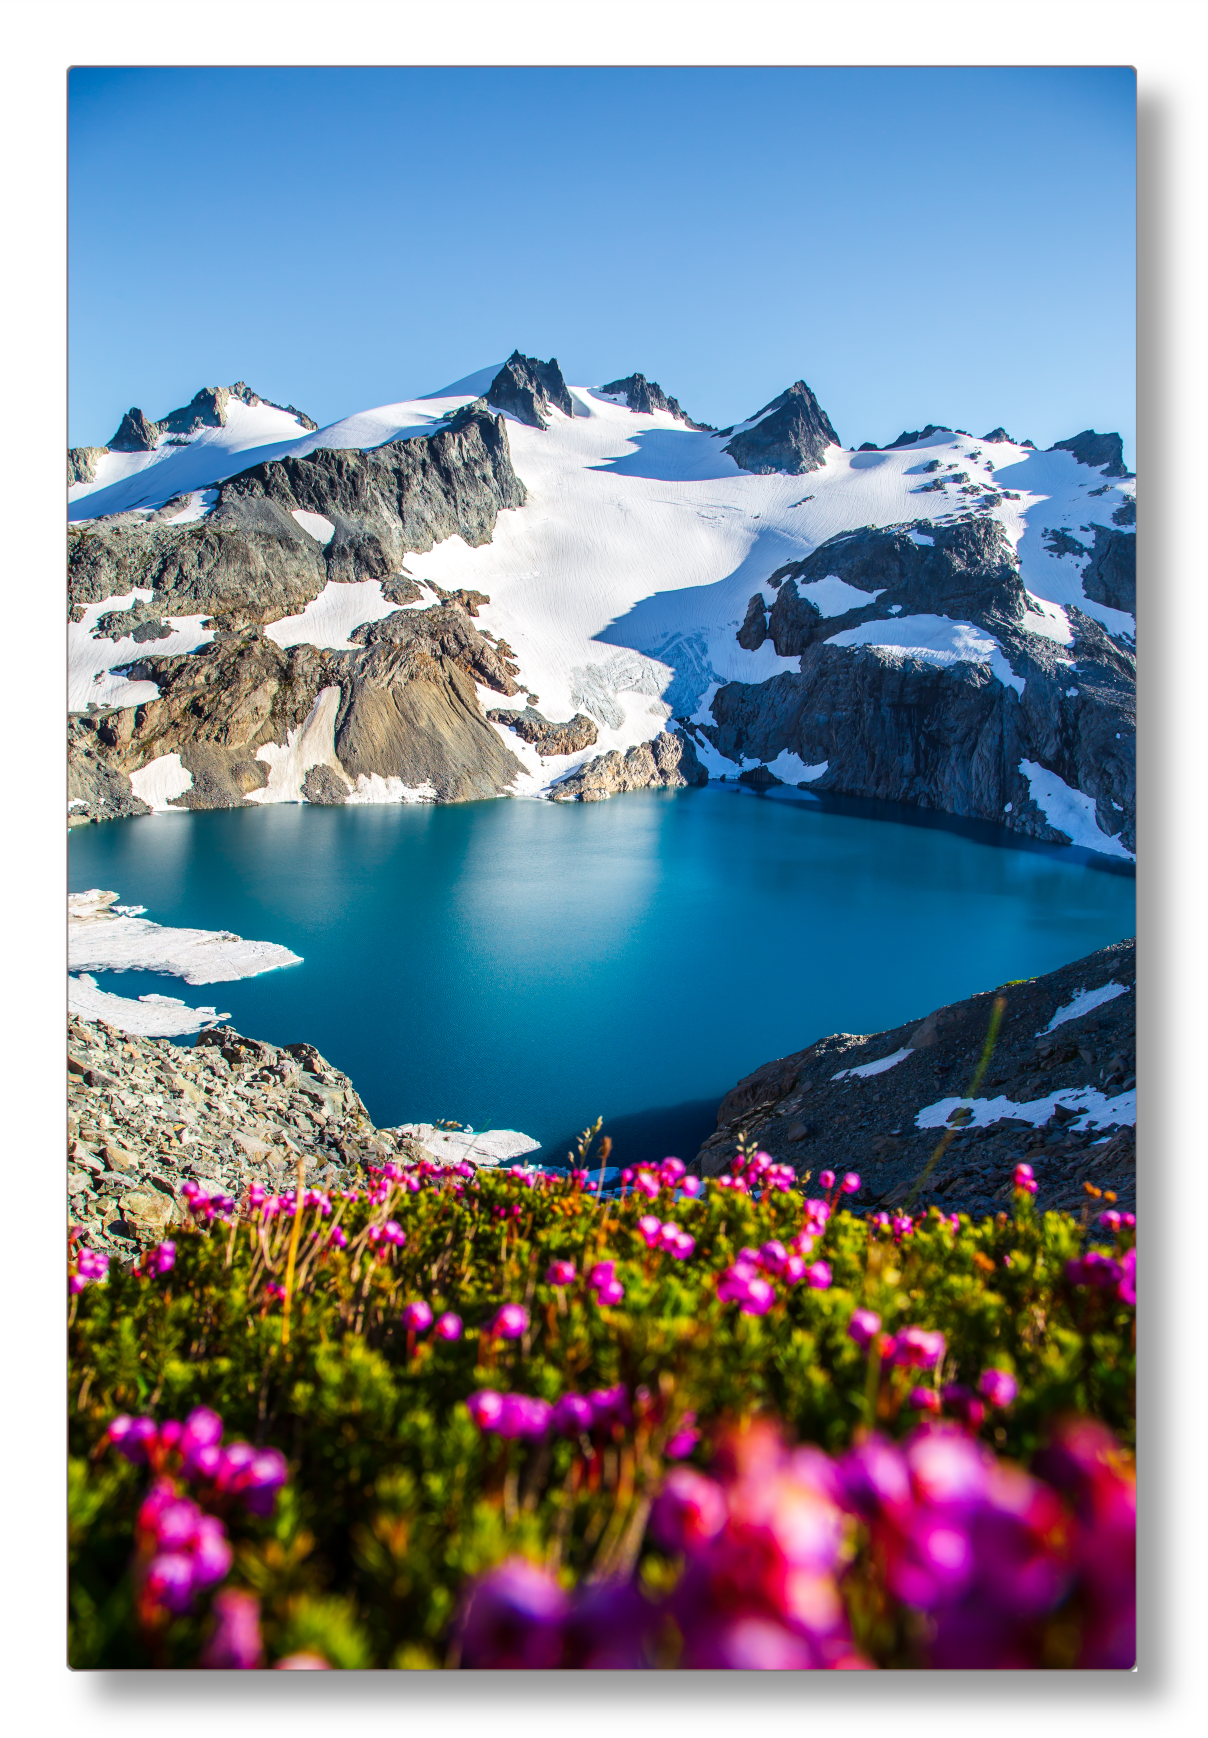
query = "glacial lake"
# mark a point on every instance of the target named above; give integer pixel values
(532, 965)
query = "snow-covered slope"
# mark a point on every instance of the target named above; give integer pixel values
(620, 586)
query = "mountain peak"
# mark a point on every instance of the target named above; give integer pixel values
(790, 434)
(206, 409)
(1102, 452)
(528, 389)
(647, 395)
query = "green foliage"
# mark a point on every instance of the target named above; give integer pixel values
(396, 1498)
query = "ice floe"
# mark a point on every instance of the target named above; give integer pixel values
(486, 1147)
(101, 937)
(1071, 811)
(1083, 1002)
(149, 1016)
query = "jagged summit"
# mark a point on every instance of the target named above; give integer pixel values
(646, 396)
(528, 389)
(206, 409)
(790, 434)
(909, 436)
(1102, 452)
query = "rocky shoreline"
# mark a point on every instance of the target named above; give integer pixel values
(854, 1102)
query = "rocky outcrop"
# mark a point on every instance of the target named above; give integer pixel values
(948, 737)
(206, 409)
(798, 1110)
(669, 761)
(1110, 576)
(145, 1116)
(790, 434)
(528, 389)
(647, 395)
(251, 561)
(81, 464)
(97, 789)
(407, 709)
(754, 629)
(909, 436)
(1102, 452)
(547, 738)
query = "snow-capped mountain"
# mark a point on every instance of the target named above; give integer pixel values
(331, 614)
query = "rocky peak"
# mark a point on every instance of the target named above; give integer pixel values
(1000, 434)
(206, 409)
(909, 436)
(1102, 452)
(791, 434)
(647, 395)
(528, 389)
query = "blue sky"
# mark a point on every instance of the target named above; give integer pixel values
(944, 245)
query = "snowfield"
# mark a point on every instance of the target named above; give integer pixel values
(149, 1016)
(622, 582)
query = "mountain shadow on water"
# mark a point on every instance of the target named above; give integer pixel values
(643, 1137)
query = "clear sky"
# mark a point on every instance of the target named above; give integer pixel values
(945, 245)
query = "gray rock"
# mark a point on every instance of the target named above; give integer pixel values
(647, 395)
(546, 737)
(1110, 576)
(909, 436)
(1102, 452)
(792, 436)
(81, 464)
(528, 389)
(754, 630)
(323, 784)
(669, 761)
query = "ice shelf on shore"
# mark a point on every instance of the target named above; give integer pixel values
(486, 1147)
(103, 938)
(149, 1016)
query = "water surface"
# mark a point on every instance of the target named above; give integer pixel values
(532, 965)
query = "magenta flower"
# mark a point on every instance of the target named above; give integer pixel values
(572, 1415)
(735, 1281)
(918, 1349)
(999, 1387)
(601, 1273)
(1023, 1179)
(611, 1292)
(794, 1270)
(162, 1259)
(448, 1327)
(651, 1227)
(691, 1187)
(684, 1440)
(864, 1327)
(851, 1183)
(417, 1317)
(1126, 1290)
(773, 1255)
(523, 1415)
(514, 1619)
(485, 1408)
(337, 1239)
(818, 1277)
(924, 1400)
(510, 1321)
(302, 1662)
(1111, 1220)
(760, 1296)
(168, 1580)
(561, 1273)
(689, 1510)
(826, 1179)
(212, 1554)
(682, 1245)
(964, 1404)
(235, 1644)
(611, 1405)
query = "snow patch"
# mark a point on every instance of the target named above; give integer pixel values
(160, 781)
(1071, 811)
(329, 619)
(833, 596)
(1083, 1002)
(101, 940)
(373, 788)
(935, 639)
(92, 659)
(315, 525)
(311, 744)
(790, 767)
(150, 1016)
(870, 1068)
(1048, 620)
(1097, 1110)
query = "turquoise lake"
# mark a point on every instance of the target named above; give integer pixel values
(533, 965)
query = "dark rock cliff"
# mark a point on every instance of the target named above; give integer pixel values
(528, 389)
(647, 396)
(206, 409)
(249, 558)
(1102, 452)
(796, 1110)
(947, 737)
(792, 435)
